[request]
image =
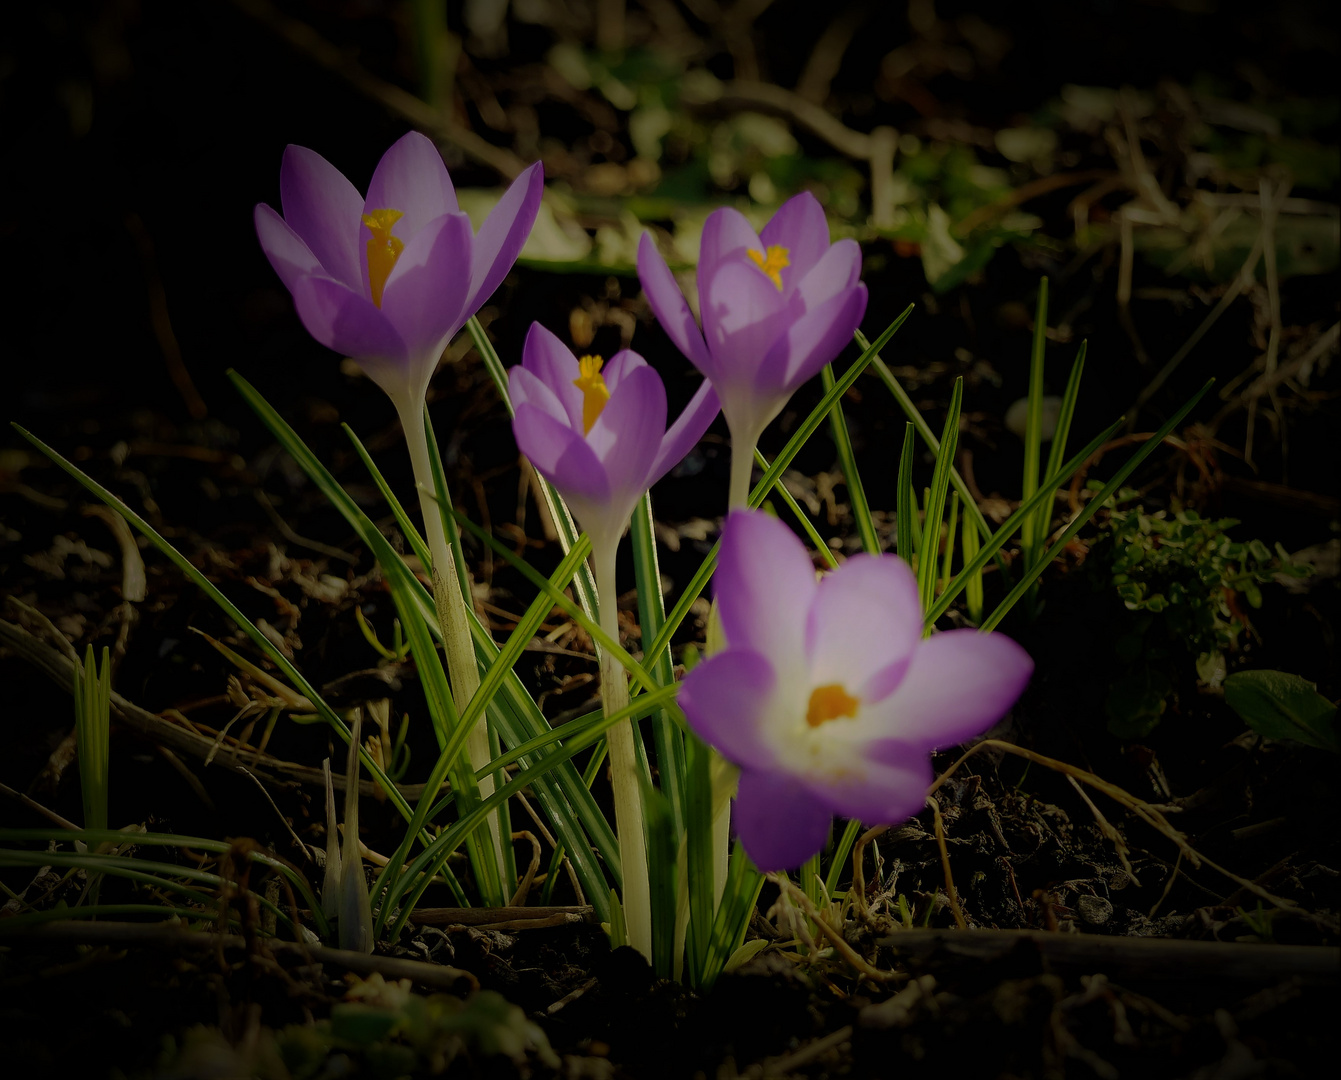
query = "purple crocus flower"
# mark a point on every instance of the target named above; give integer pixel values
(776, 307)
(827, 696)
(597, 431)
(388, 280)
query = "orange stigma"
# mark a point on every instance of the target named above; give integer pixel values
(594, 391)
(383, 249)
(772, 263)
(829, 702)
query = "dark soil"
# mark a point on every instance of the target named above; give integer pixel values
(143, 135)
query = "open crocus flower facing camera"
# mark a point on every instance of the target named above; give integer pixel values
(597, 431)
(827, 696)
(388, 280)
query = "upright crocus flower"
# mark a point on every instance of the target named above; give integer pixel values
(388, 280)
(776, 307)
(827, 696)
(598, 433)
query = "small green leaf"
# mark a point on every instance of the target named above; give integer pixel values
(1284, 706)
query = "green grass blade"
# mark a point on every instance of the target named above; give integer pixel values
(96, 837)
(263, 643)
(743, 884)
(924, 431)
(905, 502)
(699, 869)
(406, 889)
(1092, 507)
(92, 700)
(816, 541)
(935, 502)
(972, 582)
(666, 734)
(973, 567)
(842, 852)
(861, 510)
(950, 540)
(662, 835)
(1033, 424)
(1060, 435)
(575, 612)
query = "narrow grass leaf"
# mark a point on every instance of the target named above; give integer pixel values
(1090, 508)
(847, 459)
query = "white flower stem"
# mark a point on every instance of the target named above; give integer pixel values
(637, 897)
(742, 466)
(456, 640)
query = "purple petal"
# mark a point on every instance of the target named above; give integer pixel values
(426, 290)
(503, 235)
(343, 320)
(799, 226)
(837, 271)
(545, 356)
(560, 454)
(680, 438)
(525, 388)
(780, 822)
(726, 237)
(959, 684)
(863, 626)
(743, 315)
(619, 366)
(291, 258)
(669, 306)
(811, 342)
(726, 701)
(885, 783)
(411, 178)
(627, 434)
(765, 585)
(323, 208)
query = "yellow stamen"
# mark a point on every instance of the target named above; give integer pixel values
(829, 702)
(594, 391)
(383, 249)
(772, 263)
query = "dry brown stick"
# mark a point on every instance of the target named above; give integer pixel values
(1110, 833)
(1153, 958)
(166, 936)
(858, 877)
(950, 891)
(37, 807)
(501, 918)
(60, 669)
(1142, 809)
(524, 886)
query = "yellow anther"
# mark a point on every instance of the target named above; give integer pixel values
(383, 249)
(772, 263)
(829, 702)
(594, 391)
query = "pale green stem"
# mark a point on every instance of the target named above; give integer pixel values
(451, 605)
(637, 897)
(742, 466)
